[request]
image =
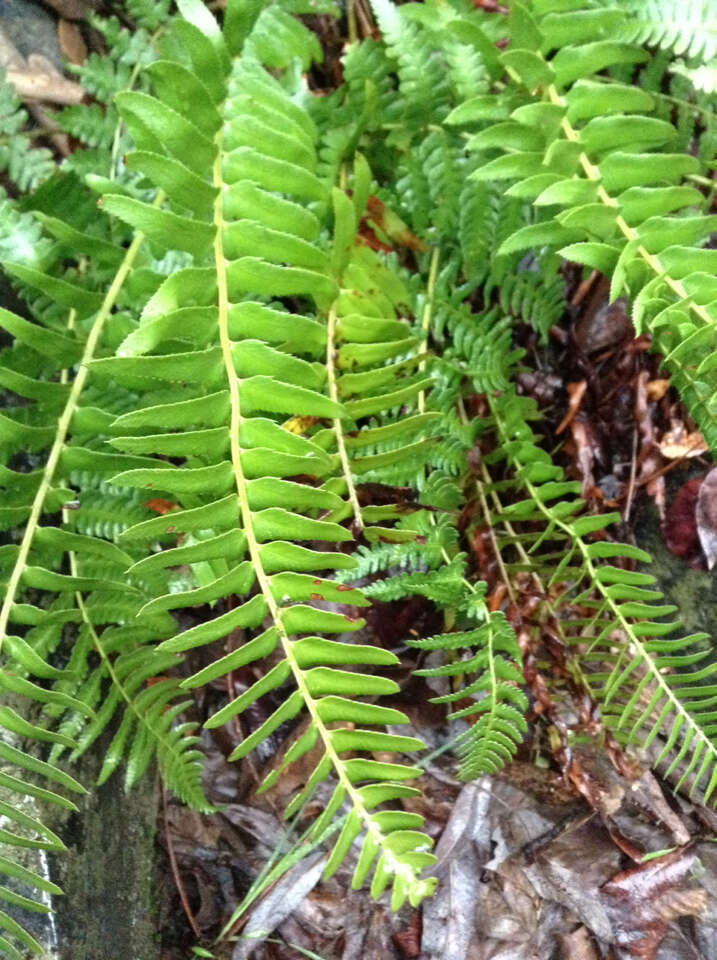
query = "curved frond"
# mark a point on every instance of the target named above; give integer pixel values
(249, 415)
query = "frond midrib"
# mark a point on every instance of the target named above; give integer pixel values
(393, 864)
(63, 426)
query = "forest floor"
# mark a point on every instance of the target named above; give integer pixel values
(550, 859)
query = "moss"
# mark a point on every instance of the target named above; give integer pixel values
(694, 592)
(108, 875)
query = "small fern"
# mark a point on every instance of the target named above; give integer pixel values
(25, 164)
(620, 212)
(687, 29)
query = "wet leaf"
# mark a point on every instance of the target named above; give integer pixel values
(643, 901)
(679, 529)
(160, 505)
(677, 444)
(706, 515)
(389, 223)
(576, 392)
(449, 918)
(285, 897)
(607, 326)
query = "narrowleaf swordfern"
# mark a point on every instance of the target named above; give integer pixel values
(219, 339)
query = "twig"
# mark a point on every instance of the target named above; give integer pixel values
(633, 474)
(584, 288)
(175, 869)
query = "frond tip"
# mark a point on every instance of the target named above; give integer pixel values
(497, 713)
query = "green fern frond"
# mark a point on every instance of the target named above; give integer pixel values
(247, 514)
(702, 78)
(687, 28)
(51, 562)
(621, 620)
(589, 149)
(149, 14)
(25, 164)
(498, 709)
(223, 380)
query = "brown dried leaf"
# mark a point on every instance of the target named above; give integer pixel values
(39, 80)
(389, 223)
(706, 517)
(676, 444)
(72, 42)
(656, 389)
(643, 902)
(578, 945)
(607, 326)
(408, 941)
(72, 9)
(576, 392)
(587, 451)
(679, 529)
(648, 456)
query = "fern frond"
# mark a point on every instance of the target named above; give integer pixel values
(621, 625)
(248, 514)
(686, 28)
(25, 164)
(589, 149)
(497, 721)
(50, 563)
(702, 78)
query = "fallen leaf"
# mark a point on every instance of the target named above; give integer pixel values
(648, 454)
(586, 450)
(676, 444)
(679, 530)
(386, 221)
(656, 389)
(408, 941)
(160, 505)
(40, 80)
(449, 918)
(489, 6)
(578, 945)
(643, 901)
(72, 9)
(607, 326)
(283, 899)
(299, 425)
(72, 43)
(706, 516)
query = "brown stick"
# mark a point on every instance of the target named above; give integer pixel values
(175, 869)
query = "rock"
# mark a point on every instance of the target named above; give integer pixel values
(72, 9)
(31, 29)
(693, 591)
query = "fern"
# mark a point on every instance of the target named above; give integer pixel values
(220, 371)
(262, 242)
(25, 164)
(688, 29)
(619, 211)
(498, 711)
(633, 669)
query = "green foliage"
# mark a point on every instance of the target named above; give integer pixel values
(497, 715)
(25, 165)
(687, 28)
(218, 369)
